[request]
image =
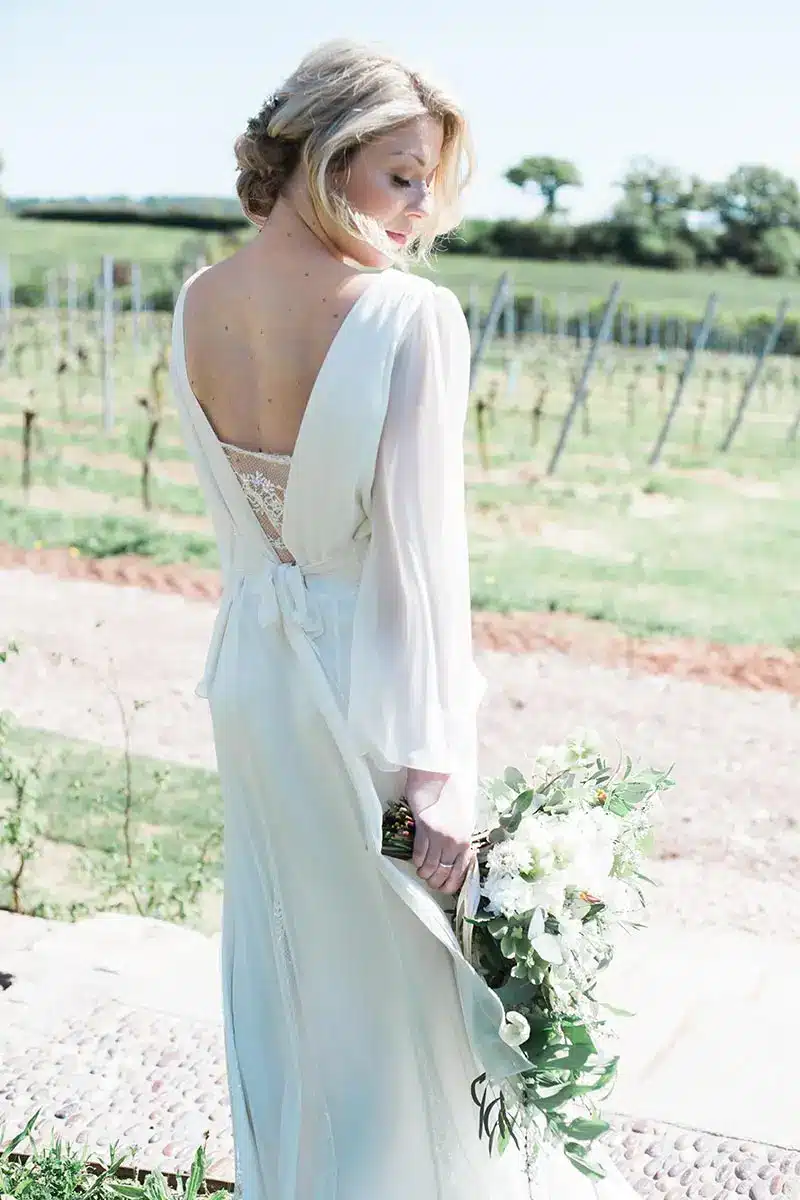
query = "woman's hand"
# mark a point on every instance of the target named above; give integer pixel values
(444, 825)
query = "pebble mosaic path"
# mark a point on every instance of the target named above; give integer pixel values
(149, 1071)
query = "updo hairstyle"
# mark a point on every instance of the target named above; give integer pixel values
(342, 96)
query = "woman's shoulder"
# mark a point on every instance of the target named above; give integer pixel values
(426, 297)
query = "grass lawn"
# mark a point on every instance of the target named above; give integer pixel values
(177, 820)
(36, 246)
(697, 546)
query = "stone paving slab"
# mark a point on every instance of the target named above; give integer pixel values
(706, 1046)
(112, 1027)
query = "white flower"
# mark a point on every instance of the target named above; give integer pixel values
(571, 931)
(508, 895)
(508, 858)
(515, 1029)
(582, 745)
(548, 894)
(548, 947)
(551, 760)
(584, 851)
(536, 925)
(534, 833)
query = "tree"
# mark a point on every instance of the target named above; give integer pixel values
(751, 202)
(548, 175)
(758, 198)
(777, 252)
(660, 197)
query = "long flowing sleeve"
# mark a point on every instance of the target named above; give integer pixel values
(414, 686)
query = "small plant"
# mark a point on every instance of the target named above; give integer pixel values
(61, 1172)
(29, 417)
(153, 405)
(132, 874)
(21, 824)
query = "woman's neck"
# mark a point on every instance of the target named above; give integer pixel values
(294, 218)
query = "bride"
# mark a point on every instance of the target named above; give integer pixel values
(322, 391)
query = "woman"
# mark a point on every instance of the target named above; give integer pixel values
(324, 406)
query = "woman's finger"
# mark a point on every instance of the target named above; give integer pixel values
(447, 860)
(421, 846)
(458, 874)
(433, 858)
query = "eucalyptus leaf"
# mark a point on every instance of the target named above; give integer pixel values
(498, 926)
(484, 918)
(511, 822)
(514, 779)
(584, 1129)
(576, 1153)
(508, 945)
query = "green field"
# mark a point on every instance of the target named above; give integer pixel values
(697, 546)
(36, 246)
(82, 809)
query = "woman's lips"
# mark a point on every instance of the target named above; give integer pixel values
(400, 238)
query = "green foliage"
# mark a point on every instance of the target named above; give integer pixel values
(758, 198)
(548, 175)
(21, 824)
(59, 1171)
(101, 537)
(751, 202)
(141, 838)
(132, 214)
(659, 197)
(777, 252)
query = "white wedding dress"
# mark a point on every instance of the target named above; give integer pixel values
(341, 655)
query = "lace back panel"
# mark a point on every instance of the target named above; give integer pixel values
(263, 479)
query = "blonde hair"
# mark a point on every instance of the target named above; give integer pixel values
(342, 95)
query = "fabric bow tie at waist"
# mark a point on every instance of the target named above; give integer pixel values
(282, 592)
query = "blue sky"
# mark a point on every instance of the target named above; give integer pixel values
(103, 97)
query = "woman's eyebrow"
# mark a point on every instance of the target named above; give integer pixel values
(408, 154)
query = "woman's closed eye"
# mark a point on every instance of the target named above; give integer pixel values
(401, 182)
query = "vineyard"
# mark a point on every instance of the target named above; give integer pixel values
(590, 489)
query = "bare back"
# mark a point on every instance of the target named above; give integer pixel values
(257, 329)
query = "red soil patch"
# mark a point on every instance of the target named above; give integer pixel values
(756, 667)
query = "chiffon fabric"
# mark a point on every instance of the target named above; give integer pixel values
(353, 1024)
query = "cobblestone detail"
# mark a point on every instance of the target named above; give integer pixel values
(157, 1083)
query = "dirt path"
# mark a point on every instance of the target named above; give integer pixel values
(754, 667)
(729, 839)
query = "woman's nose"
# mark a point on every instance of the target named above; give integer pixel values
(420, 203)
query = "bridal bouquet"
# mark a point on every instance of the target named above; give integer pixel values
(556, 878)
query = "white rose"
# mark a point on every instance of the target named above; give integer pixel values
(508, 896)
(515, 1030)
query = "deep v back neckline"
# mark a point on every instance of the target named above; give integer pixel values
(308, 412)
